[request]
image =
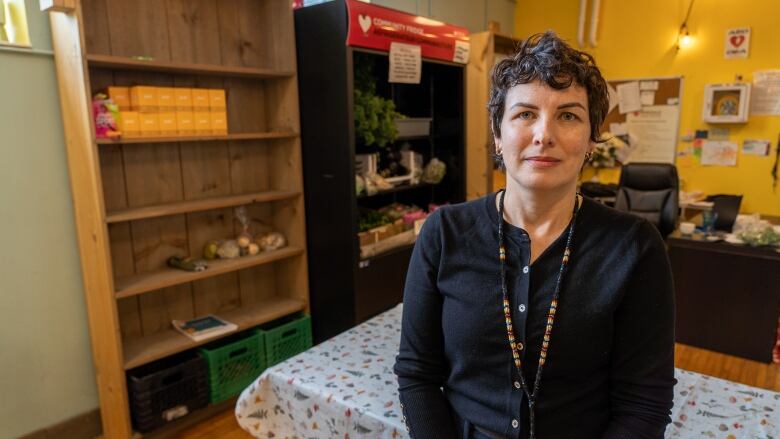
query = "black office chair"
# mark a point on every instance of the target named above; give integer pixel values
(650, 190)
(727, 208)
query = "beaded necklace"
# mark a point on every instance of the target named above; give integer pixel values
(550, 314)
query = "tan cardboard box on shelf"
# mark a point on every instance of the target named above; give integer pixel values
(143, 99)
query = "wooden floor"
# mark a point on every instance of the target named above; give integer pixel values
(748, 372)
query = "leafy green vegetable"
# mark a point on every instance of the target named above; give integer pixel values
(371, 218)
(374, 115)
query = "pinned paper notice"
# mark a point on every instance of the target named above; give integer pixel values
(462, 50)
(647, 98)
(405, 63)
(719, 153)
(719, 133)
(648, 85)
(618, 129)
(628, 97)
(756, 147)
(613, 98)
(765, 96)
(655, 129)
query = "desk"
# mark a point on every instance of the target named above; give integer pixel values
(728, 296)
(345, 388)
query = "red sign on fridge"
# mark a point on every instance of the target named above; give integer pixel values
(375, 27)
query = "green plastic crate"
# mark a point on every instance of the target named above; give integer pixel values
(286, 337)
(233, 364)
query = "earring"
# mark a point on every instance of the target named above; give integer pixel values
(588, 156)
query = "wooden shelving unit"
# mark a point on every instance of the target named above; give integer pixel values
(234, 136)
(125, 63)
(167, 277)
(139, 201)
(211, 203)
(486, 49)
(169, 342)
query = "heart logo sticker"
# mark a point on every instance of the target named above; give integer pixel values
(365, 22)
(737, 40)
(737, 43)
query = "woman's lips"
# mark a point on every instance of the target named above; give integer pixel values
(542, 162)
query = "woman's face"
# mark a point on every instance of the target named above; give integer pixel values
(545, 134)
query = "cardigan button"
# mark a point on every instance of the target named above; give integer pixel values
(525, 269)
(517, 384)
(521, 308)
(519, 346)
(515, 423)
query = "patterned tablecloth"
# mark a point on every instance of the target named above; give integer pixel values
(345, 388)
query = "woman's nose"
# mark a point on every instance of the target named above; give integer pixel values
(544, 132)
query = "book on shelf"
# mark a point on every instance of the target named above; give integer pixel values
(203, 328)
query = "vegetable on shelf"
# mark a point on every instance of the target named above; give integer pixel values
(187, 264)
(370, 219)
(374, 115)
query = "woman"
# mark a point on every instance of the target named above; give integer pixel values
(534, 312)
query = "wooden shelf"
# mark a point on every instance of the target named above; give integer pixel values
(120, 62)
(146, 282)
(154, 211)
(206, 138)
(147, 349)
(180, 46)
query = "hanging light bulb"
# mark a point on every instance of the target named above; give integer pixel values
(684, 38)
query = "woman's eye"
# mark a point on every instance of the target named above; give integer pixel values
(569, 116)
(525, 115)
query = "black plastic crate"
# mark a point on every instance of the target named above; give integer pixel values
(167, 389)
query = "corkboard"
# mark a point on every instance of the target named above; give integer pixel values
(668, 88)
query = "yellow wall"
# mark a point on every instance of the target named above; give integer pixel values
(637, 39)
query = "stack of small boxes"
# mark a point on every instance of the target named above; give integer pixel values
(147, 111)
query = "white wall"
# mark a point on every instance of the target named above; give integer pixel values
(46, 372)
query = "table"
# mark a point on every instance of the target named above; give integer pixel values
(345, 388)
(727, 296)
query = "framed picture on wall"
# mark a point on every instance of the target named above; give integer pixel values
(726, 103)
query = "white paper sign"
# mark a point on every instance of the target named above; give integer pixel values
(405, 63)
(737, 43)
(648, 85)
(765, 95)
(462, 50)
(618, 129)
(647, 98)
(756, 147)
(628, 97)
(719, 153)
(655, 131)
(613, 98)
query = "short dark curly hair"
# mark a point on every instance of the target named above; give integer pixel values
(547, 58)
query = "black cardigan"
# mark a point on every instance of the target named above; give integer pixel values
(610, 365)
